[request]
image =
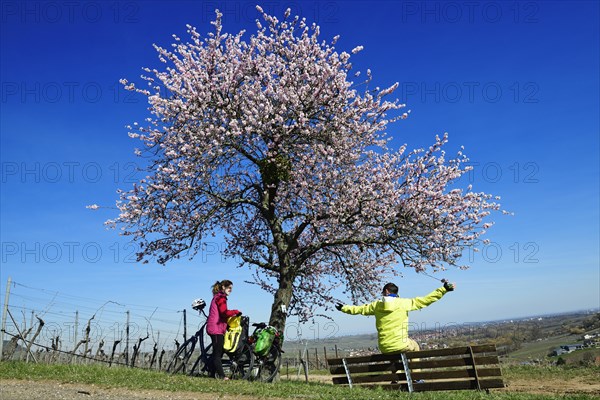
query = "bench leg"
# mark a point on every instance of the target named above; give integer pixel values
(474, 368)
(407, 372)
(347, 372)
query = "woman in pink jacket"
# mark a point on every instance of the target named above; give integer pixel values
(217, 322)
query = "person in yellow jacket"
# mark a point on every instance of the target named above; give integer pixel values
(391, 316)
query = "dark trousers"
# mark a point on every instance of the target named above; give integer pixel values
(217, 354)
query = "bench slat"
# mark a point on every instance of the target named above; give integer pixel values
(364, 359)
(451, 351)
(458, 373)
(459, 385)
(427, 376)
(454, 362)
(359, 369)
(454, 385)
(342, 380)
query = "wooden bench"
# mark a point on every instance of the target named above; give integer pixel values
(458, 368)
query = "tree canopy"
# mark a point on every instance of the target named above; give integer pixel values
(269, 142)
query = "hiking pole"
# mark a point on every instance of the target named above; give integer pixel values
(443, 280)
(432, 277)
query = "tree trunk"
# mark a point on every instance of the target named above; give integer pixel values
(281, 302)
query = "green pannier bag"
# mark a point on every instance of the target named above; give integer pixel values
(264, 340)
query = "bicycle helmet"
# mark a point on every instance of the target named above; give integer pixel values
(198, 304)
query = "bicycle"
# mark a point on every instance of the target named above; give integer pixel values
(266, 366)
(237, 365)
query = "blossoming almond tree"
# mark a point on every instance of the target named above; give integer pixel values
(268, 142)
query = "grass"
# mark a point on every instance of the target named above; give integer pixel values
(546, 373)
(137, 379)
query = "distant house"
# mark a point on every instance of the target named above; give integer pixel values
(557, 352)
(566, 348)
(572, 347)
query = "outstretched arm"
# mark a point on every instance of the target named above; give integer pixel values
(366, 309)
(420, 302)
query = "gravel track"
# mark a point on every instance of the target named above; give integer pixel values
(47, 390)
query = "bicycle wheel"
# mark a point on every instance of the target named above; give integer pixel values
(181, 359)
(203, 365)
(267, 367)
(240, 364)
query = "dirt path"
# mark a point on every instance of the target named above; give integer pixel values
(553, 386)
(39, 390)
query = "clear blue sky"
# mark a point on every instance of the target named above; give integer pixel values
(516, 83)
